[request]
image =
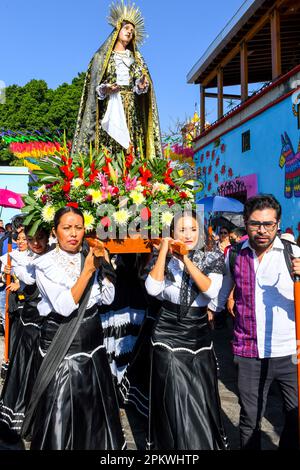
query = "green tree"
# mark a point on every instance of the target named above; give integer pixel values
(37, 107)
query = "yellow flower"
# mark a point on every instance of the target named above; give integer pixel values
(89, 220)
(96, 195)
(121, 217)
(167, 218)
(39, 192)
(48, 213)
(180, 172)
(77, 182)
(137, 197)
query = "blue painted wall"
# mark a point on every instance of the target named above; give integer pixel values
(227, 161)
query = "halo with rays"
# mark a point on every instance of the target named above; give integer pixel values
(130, 12)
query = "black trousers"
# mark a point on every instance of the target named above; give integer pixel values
(254, 379)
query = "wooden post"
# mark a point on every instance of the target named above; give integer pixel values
(202, 108)
(244, 70)
(297, 320)
(276, 44)
(220, 93)
(7, 329)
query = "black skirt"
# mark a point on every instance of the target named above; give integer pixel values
(79, 409)
(185, 411)
(21, 372)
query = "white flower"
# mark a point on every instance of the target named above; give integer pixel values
(89, 220)
(121, 217)
(137, 197)
(163, 188)
(189, 193)
(48, 213)
(39, 192)
(139, 187)
(167, 218)
(77, 182)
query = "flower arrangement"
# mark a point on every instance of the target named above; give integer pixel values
(115, 193)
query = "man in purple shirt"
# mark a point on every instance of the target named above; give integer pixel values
(264, 342)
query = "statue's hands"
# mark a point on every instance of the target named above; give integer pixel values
(110, 89)
(143, 83)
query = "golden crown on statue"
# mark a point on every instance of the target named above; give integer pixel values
(120, 12)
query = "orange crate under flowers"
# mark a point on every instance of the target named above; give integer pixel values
(120, 196)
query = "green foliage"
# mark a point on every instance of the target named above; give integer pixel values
(35, 106)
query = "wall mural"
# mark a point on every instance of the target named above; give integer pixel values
(210, 169)
(291, 161)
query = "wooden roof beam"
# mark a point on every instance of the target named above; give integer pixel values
(247, 37)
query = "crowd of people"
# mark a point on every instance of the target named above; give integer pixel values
(59, 391)
(90, 334)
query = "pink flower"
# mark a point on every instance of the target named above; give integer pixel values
(130, 183)
(145, 214)
(106, 222)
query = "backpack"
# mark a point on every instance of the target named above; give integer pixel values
(287, 250)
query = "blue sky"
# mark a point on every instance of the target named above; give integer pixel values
(53, 40)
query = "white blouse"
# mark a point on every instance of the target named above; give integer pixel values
(56, 274)
(18, 258)
(170, 290)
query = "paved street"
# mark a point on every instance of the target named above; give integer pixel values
(271, 425)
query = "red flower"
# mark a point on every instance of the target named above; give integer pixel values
(223, 169)
(66, 187)
(145, 175)
(204, 170)
(209, 169)
(106, 222)
(230, 172)
(201, 158)
(169, 181)
(183, 195)
(80, 172)
(170, 202)
(217, 161)
(207, 154)
(87, 184)
(66, 171)
(216, 177)
(115, 191)
(223, 148)
(145, 214)
(209, 187)
(73, 204)
(129, 161)
(44, 198)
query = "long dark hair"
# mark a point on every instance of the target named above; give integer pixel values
(63, 211)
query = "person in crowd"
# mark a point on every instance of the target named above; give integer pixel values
(184, 400)
(22, 367)
(223, 239)
(74, 403)
(118, 106)
(264, 343)
(15, 299)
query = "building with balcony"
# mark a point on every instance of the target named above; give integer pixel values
(255, 147)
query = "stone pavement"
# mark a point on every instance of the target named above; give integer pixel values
(272, 422)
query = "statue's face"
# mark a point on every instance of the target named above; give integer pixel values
(126, 34)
